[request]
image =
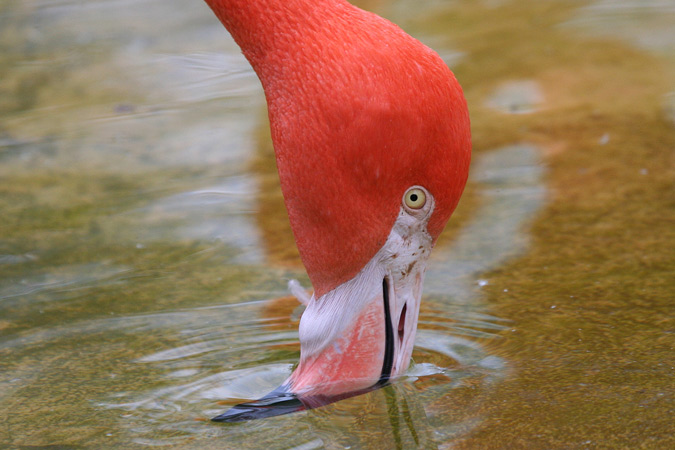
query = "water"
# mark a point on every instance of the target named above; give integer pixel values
(144, 249)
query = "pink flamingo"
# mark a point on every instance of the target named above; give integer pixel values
(372, 141)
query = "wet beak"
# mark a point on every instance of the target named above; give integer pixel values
(347, 351)
(359, 335)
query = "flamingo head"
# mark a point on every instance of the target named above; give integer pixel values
(373, 147)
(371, 134)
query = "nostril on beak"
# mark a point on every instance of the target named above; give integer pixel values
(401, 322)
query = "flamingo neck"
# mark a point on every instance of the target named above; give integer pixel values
(268, 29)
(359, 112)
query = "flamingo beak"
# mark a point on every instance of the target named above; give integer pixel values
(344, 351)
(350, 350)
(360, 334)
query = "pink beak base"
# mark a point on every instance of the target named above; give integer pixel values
(351, 363)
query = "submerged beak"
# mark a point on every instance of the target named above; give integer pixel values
(347, 351)
(360, 334)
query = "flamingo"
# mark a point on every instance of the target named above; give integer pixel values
(372, 141)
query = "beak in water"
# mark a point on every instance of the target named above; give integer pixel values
(359, 335)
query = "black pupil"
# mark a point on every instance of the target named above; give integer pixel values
(413, 197)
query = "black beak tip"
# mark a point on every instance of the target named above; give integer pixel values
(278, 402)
(239, 413)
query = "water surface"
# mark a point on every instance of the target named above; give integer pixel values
(144, 249)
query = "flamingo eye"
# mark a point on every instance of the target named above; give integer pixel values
(415, 198)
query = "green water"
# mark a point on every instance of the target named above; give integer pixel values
(144, 251)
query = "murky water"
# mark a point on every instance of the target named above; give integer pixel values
(144, 250)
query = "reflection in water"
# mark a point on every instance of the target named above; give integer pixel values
(392, 417)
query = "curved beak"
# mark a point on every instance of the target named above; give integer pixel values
(346, 351)
(361, 334)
